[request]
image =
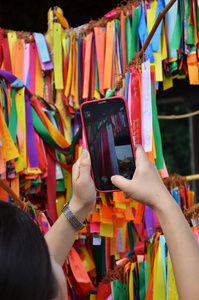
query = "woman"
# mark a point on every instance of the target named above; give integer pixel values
(29, 272)
(30, 267)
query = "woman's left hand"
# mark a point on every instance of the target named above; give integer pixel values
(84, 194)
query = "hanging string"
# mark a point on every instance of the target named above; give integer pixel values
(105, 19)
(192, 177)
(175, 117)
(23, 205)
(21, 35)
(189, 213)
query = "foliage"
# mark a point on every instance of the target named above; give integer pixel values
(175, 138)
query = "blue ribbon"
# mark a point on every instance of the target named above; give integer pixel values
(156, 37)
(143, 34)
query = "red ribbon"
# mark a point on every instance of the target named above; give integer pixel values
(51, 151)
(103, 291)
(111, 14)
(139, 248)
(51, 187)
(135, 110)
(6, 55)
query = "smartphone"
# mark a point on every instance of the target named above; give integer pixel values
(109, 140)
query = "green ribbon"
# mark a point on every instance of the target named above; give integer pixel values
(60, 187)
(128, 39)
(142, 290)
(111, 93)
(156, 130)
(151, 252)
(125, 292)
(131, 235)
(12, 126)
(197, 12)
(173, 66)
(110, 196)
(34, 212)
(41, 129)
(100, 258)
(96, 78)
(75, 141)
(117, 26)
(181, 72)
(135, 281)
(149, 257)
(117, 290)
(190, 27)
(135, 23)
(192, 48)
(177, 32)
(35, 182)
(71, 195)
(182, 12)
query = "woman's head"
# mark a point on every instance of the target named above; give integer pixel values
(26, 270)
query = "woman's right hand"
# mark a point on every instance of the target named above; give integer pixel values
(146, 186)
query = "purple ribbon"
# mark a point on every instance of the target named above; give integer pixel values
(149, 4)
(15, 82)
(149, 222)
(77, 123)
(32, 150)
(45, 65)
(74, 296)
(30, 137)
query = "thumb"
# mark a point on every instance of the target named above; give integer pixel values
(85, 164)
(122, 183)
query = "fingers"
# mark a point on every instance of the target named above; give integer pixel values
(85, 164)
(76, 170)
(122, 183)
(82, 167)
(140, 154)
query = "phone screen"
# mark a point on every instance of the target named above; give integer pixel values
(109, 141)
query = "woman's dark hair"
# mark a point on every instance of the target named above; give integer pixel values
(25, 266)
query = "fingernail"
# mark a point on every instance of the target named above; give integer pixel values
(84, 153)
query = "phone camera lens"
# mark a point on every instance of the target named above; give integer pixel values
(126, 175)
(104, 179)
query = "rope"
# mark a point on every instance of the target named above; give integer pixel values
(175, 117)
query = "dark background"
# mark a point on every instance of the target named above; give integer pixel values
(31, 15)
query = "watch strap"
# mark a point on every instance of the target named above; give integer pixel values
(75, 222)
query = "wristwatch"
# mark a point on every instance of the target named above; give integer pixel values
(76, 223)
